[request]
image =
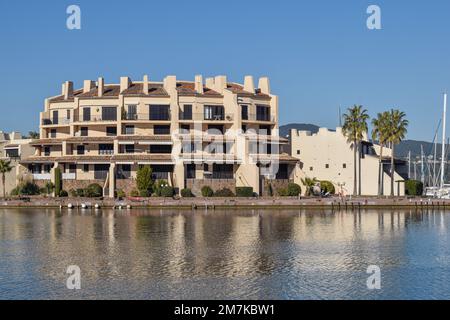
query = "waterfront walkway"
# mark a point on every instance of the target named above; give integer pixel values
(202, 203)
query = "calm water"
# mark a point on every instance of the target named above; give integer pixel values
(224, 255)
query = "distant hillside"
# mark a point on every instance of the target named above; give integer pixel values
(401, 150)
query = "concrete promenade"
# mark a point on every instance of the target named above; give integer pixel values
(336, 203)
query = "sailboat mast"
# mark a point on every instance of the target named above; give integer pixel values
(444, 122)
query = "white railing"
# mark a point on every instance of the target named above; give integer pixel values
(68, 176)
(42, 176)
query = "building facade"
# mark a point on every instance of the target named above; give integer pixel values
(192, 133)
(327, 155)
(14, 148)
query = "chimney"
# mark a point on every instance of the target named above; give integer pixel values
(199, 84)
(100, 86)
(67, 89)
(264, 85)
(170, 83)
(220, 83)
(88, 85)
(210, 83)
(145, 84)
(124, 83)
(249, 85)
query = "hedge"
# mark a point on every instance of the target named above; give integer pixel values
(414, 188)
(225, 192)
(293, 190)
(207, 192)
(187, 193)
(167, 191)
(93, 191)
(246, 192)
(327, 187)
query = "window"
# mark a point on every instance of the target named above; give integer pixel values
(298, 151)
(124, 171)
(87, 114)
(12, 153)
(105, 149)
(129, 129)
(131, 112)
(327, 166)
(84, 131)
(215, 129)
(109, 113)
(72, 168)
(161, 129)
(244, 128)
(185, 128)
(53, 133)
(311, 168)
(187, 112)
(111, 131)
(262, 113)
(159, 112)
(46, 151)
(47, 168)
(85, 168)
(160, 148)
(222, 171)
(244, 112)
(80, 150)
(190, 171)
(188, 147)
(161, 171)
(101, 171)
(68, 114)
(55, 117)
(214, 113)
(283, 172)
(265, 130)
(344, 166)
(129, 148)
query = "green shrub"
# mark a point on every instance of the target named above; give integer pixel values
(57, 185)
(134, 193)
(93, 191)
(187, 193)
(63, 194)
(144, 193)
(49, 187)
(43, 191)
(327, 187)
(158, 186)
(414, 188)
(15, 191)
(120, 193)
(225, 192)
(283, 192)
(246, 192)
(80, 192)
(293, 189)
(144, 178)
(207, 192)
(167, 191)
(29, 189)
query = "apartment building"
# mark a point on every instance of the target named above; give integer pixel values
(192, 133)
(13, 148)
(327, 155)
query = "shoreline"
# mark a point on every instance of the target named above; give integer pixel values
(334, 203)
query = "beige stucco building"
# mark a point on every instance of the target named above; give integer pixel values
(13, 148)
(327, 155)
(192, 133)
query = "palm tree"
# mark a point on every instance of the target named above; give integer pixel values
(33, 135)
(398, 127)
(355, 125)
(380, 133)
(5, 167)
(309, 185)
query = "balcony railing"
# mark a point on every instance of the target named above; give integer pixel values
(163, 116)
(258, 117)
(213, 116)
(55, 121)
(68, 176)
(95, 118)
(42, 176)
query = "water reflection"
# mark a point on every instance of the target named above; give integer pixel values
(254, 254)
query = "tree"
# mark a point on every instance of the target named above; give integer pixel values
(144, 180)
(398, 127)
(380, 133)
(5, 167)
(309, 185)
(355, 125)
(33, 134)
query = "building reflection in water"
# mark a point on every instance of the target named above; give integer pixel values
(229, 254)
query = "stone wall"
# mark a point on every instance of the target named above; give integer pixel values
(79, 184)
(276, 185)
(126, 185)
(196, 185)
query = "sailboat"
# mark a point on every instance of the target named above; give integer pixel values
(441, 191)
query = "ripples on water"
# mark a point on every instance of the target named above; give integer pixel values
(143, 254)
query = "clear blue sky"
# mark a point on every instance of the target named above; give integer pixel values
(318, 54)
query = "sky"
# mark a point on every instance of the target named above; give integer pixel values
(318, 54)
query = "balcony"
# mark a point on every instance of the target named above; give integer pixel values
(258, 117)
(159, 116)
(95, 118)
(50, 121)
